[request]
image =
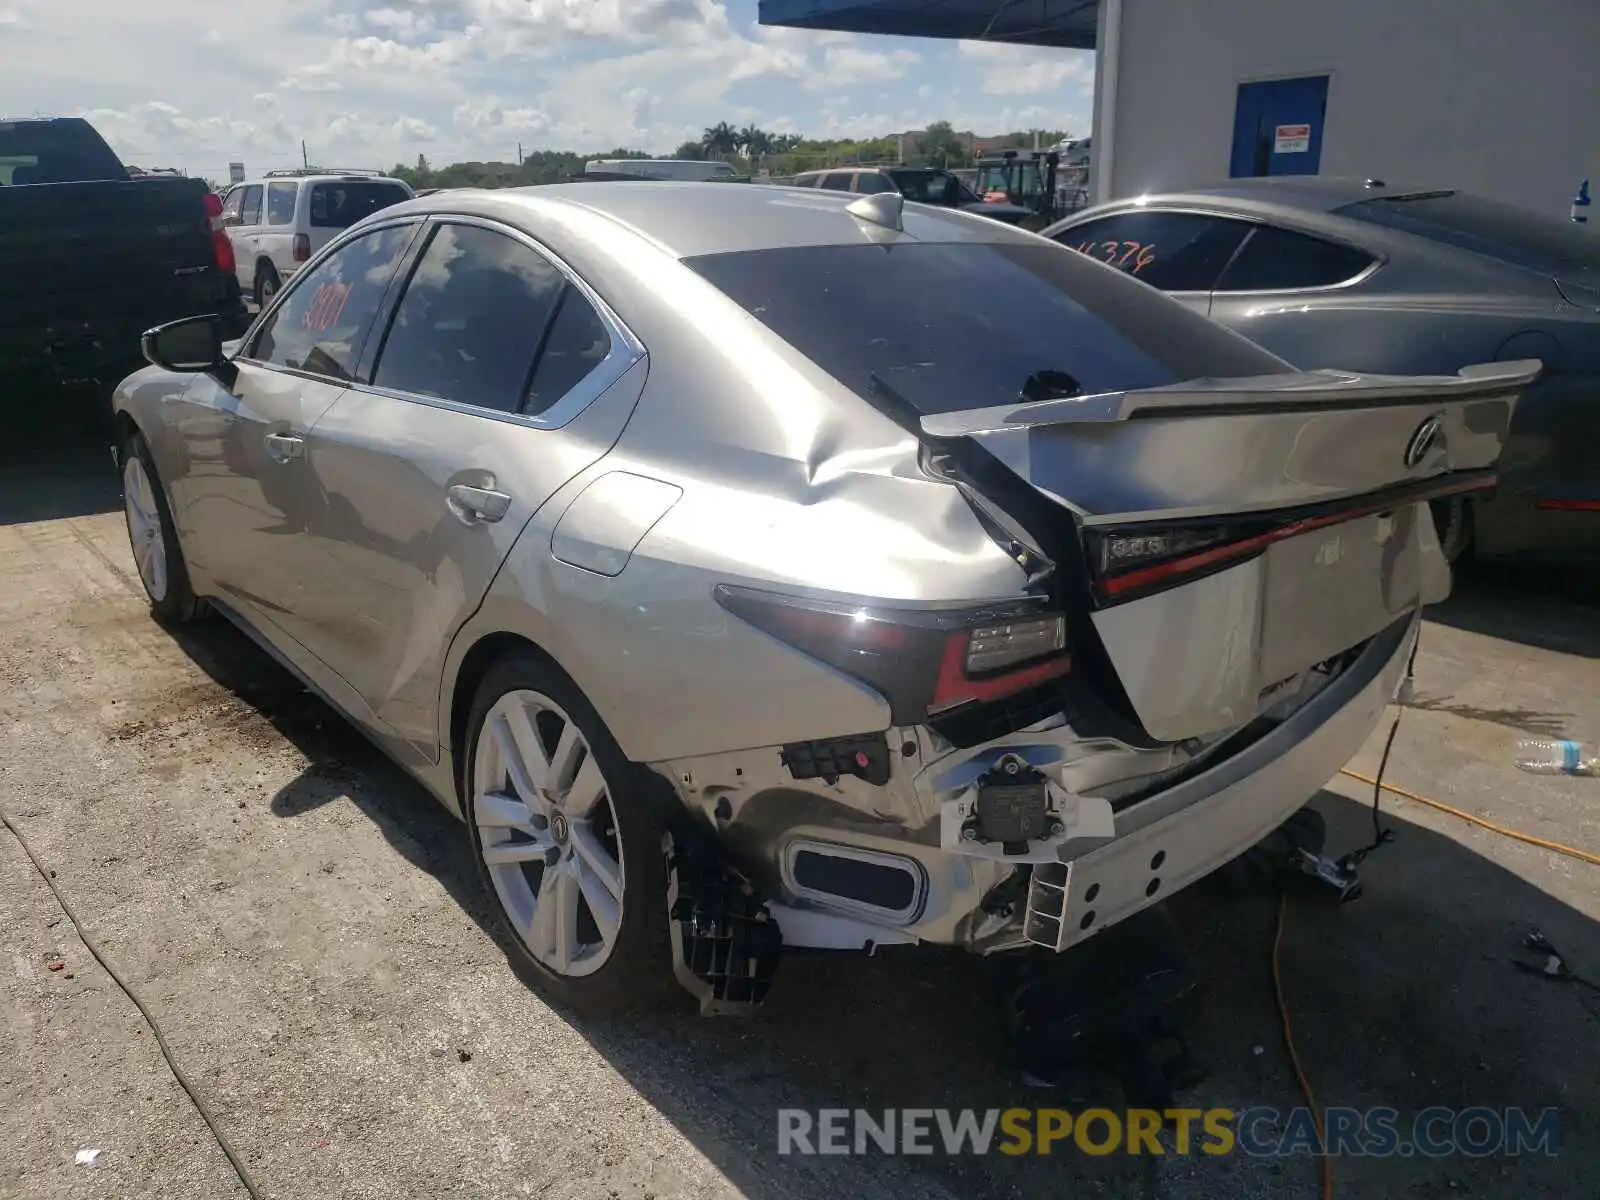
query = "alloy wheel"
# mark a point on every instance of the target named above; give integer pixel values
(548, 833)
(144, 527)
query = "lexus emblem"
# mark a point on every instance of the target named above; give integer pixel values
(1424, 439)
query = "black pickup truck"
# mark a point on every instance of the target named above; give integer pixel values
(90, 257)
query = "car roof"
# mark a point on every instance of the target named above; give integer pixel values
(1309, 193)
(687, 219)
(328, 177)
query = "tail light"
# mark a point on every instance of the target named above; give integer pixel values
(221, 244)
(1136, 560)
(302, 247)
(923, 662)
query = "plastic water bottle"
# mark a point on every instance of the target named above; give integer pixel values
(1580, 205)
(1552, 756)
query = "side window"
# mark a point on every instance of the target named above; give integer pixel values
(320, 325)
(232, 206)
(280, 203)
(836, 181)
(471, 319)
(1276, 258)
(1176, 252)
(578, 343)
(250, 207)
(806, 181)
(871, 182)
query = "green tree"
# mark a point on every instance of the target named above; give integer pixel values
(690, 150)
(720, 138)
(940, 147)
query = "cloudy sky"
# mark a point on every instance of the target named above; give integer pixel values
(194, 85)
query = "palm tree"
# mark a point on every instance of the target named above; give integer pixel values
(720, 138)
(755, 140)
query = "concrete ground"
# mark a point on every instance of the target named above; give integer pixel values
(305, 924)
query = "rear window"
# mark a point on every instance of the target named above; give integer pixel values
(61, 151)
(945, 327)
(1514, 235)
(340, 205)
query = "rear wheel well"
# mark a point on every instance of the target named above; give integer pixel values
(474, 667)
(654, 788)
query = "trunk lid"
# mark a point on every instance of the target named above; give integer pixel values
(1241, 531)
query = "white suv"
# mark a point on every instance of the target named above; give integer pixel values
(278, 222)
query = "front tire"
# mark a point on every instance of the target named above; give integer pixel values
(154, 539)
(568, 841)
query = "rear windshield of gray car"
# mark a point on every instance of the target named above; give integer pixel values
(951, 326)
(1503, 231)
(341, 205)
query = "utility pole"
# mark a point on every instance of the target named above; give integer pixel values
(519, 154)
(305, 160)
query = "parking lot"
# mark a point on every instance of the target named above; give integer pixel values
(305, 924)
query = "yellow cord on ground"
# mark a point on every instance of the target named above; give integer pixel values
(1483, 823)
(1325, 1167)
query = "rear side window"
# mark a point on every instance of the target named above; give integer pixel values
(1276, 259)
(1176, 252)
(805, 181)
(871, 183)
(280, 203)
(471, 320)
(321, 324)
(950, 326)
(578, 342)
(1502, 231)
(836, 182)
(231, 206)
(250, 205)
(341, 205)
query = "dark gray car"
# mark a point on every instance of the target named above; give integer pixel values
(1368, 277)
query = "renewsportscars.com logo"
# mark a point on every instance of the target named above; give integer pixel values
(1259, 1132)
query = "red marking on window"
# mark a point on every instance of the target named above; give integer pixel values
(327, 306)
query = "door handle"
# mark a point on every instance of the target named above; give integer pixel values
(285, 446)
(473, 504)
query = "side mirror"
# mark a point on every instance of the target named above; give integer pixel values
(192, 345)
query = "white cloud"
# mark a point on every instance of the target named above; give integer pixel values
(468, 79)
(1010, 70)
(847, 65)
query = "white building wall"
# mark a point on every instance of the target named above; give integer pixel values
(1498, 97)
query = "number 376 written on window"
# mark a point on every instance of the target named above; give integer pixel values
(1131, 257)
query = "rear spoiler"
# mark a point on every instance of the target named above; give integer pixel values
(1293, 392)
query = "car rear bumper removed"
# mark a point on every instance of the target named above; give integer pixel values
(848, 865)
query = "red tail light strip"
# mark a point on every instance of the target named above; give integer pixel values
(1568, 505)
(954, 686)
(1143, 577)
(221, 244)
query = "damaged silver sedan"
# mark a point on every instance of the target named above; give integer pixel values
(753, 567)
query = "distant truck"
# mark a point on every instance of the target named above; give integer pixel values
(91, 257)
(661, 168)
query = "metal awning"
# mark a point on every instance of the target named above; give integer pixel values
(1069, 24)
